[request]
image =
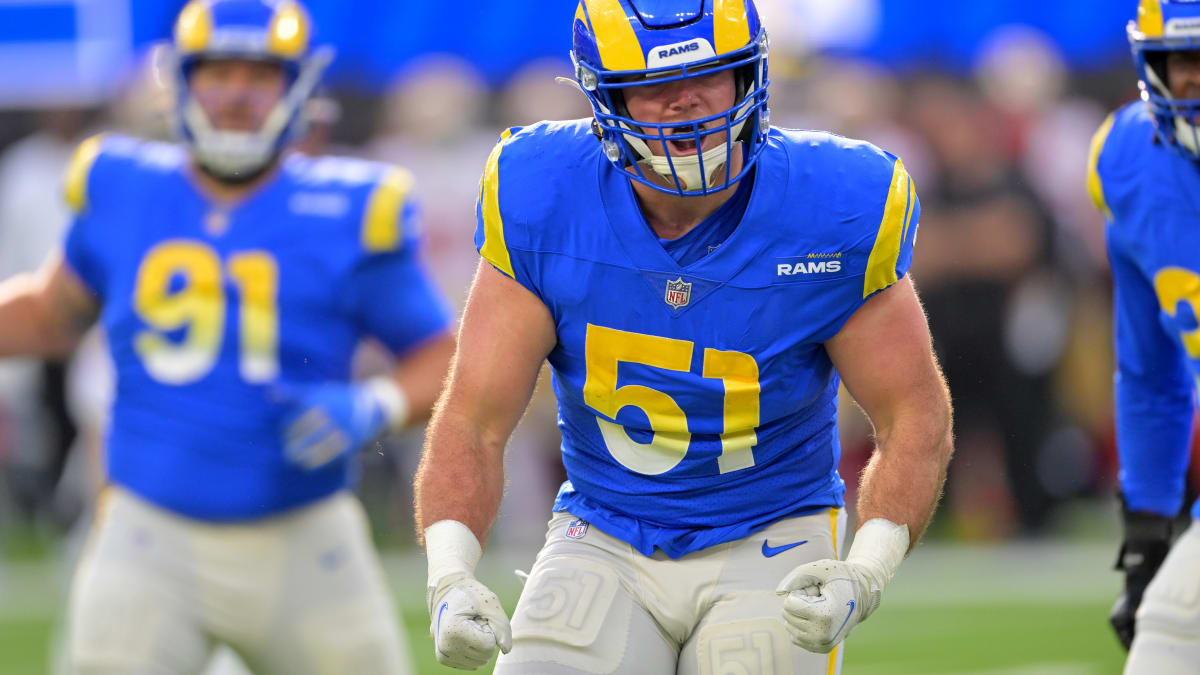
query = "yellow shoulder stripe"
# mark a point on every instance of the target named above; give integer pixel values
(881, 265)
(494, 248)
(75, 183)
(1095, 187)
(383, 222)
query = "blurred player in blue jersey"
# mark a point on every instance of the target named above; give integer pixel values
(1144, 176)
(700, 283)
(234, 280)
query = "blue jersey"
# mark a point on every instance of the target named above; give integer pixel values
(1150, 195)
(209, 307)
(697, 402)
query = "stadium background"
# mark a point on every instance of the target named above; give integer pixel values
(991, 105)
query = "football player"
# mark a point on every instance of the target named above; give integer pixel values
(234, 280)
(700, 283)
(1144, 176)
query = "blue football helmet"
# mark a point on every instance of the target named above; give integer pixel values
(628, 43)
(277, 31)
(1164, 26)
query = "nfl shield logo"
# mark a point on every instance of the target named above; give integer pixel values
(576, 529)
(679, 292)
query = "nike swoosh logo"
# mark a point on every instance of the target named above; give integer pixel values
(770, 551)
(839, 630)
(438, 629)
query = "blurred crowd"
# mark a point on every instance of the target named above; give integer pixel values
(1010, 264)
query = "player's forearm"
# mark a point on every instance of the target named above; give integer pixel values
(461, 476)
(421, 376)
(903, 480)
(26, 328)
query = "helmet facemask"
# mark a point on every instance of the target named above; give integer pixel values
(630, 143)
(238, 156)
(1175, 118)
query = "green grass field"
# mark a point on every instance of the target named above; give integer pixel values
(1011, 610)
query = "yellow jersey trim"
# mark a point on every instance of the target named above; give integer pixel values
(193, 29)
(383, 222)
(912, 203)
(1150, 18)
(831, 669)
(1095, 186)
(75, 183)
(494, 248)
(881, 265)
(731, 26)
(615, 40)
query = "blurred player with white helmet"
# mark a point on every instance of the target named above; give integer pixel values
(234, 279)
(1144, 176)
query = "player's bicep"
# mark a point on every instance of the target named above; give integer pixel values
(505, 335)
(885, 358)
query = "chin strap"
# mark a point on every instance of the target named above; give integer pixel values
(879, 547)
(687, 169)
(451, 549)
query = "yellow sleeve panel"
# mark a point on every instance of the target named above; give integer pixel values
(881, 265)
(1095, 187)
(75, 183)
(383, 221)
(494, 248)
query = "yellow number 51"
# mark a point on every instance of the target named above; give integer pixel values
(606, 348)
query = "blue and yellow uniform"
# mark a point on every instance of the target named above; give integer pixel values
(1149, 193)
(211, 309)
(697, 402)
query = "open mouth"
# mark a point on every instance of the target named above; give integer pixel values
(682, 141)
(682, 146)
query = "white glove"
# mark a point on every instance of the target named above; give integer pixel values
(824, 600)
(466, 620)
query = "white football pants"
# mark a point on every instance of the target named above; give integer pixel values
(1167, 641)
(301, 593)
(593, 604)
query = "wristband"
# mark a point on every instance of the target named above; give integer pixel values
(391, 398)
(879, 547)
(451, 548)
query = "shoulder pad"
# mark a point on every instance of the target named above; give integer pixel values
(893, 230)
(79, 170)
(1119, 149)
(527, 176)
(866, 194)
(383, 218)
(495, 247)
(117, 159)
(1095, 186)
(329, 171)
